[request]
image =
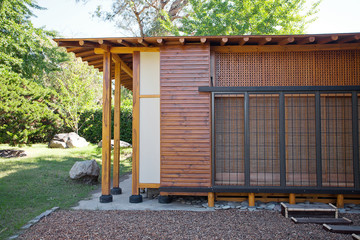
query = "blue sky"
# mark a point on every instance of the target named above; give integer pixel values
(73, 19)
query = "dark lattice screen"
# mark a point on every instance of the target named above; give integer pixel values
(264, 139)
(312, 68)
(300, 140)
(336, 139)
(229, 139)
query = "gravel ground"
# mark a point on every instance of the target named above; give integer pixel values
(223, 224)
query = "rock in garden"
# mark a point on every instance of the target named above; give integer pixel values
(10, 153)
(75, 140)
(67, 140)
(122, 144)
(57, 144)
(85, 171)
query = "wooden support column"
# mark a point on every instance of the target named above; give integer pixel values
(211, 199)
(116, 165)
(106, 130)
(251, 199)
(136, 197)
(340, 201)
(292, 198)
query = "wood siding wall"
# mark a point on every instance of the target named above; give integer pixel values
(185, 122)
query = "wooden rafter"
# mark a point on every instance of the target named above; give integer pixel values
(306, 40)
(124, 67)
(243, 40)
(287, 41)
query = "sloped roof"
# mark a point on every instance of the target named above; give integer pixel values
(84, 47)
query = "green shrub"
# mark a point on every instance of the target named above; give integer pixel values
(91, 128)
(26, 114)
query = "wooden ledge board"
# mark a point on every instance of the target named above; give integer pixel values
(342, 228)
(333, 221)
(355, 236)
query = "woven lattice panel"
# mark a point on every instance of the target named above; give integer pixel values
(316, 68)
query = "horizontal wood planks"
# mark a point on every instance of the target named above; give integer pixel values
(185, 116)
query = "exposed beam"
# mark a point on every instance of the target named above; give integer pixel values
(84, 54)
(203, 40)
(160, 41)
(124, 67)
(224, 41)
(94, 62)
(123, 42)
(243, 40)
(143, 42)
(349, 39)
(91, 57)
(264, 41)
(69, 44)
(182, 41)
(74, 49)
(328, 39)
(88, 44)
(306, 40)
(287, 41)
(124, 50)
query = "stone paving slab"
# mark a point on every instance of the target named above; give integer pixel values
(121, 202)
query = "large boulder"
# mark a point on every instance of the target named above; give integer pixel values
(57, 144)
(122, 144)
(67, 140)
(85, 171)
(75, 140)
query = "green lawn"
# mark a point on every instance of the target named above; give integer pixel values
(33, 184)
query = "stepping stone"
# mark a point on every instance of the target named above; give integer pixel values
(342, 228)
(306, 210)
(333, 221)
(356, 237)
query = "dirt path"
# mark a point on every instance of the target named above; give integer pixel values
(222, 224)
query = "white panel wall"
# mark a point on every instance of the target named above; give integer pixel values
(149, 159)
(149, 73)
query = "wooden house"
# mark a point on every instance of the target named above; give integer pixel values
(235, 117)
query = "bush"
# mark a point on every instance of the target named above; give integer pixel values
(91, 129)
(26, 112)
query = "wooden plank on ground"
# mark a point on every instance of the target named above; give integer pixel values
(342, 228)
(355, 236)
(333, 221)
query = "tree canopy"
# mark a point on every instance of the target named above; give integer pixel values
(27, 50)
(210, 17)
(233, 17)
(44, 90)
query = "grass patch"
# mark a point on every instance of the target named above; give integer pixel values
(33, 184)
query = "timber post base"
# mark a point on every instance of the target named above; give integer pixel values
(106, 198)
(135, 198)
(211, 199)
(116, 191)
(251, 197)
(164, 199)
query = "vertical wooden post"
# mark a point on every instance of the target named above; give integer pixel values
(116, 162)
(251, 199)
(292, 198)
(136, 197)
(211, 199)
(106, 130)
(340, 201)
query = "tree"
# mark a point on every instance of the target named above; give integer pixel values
(142, 17)
(26, 110)
(78, 88)
(25, 49)
(235, 17)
